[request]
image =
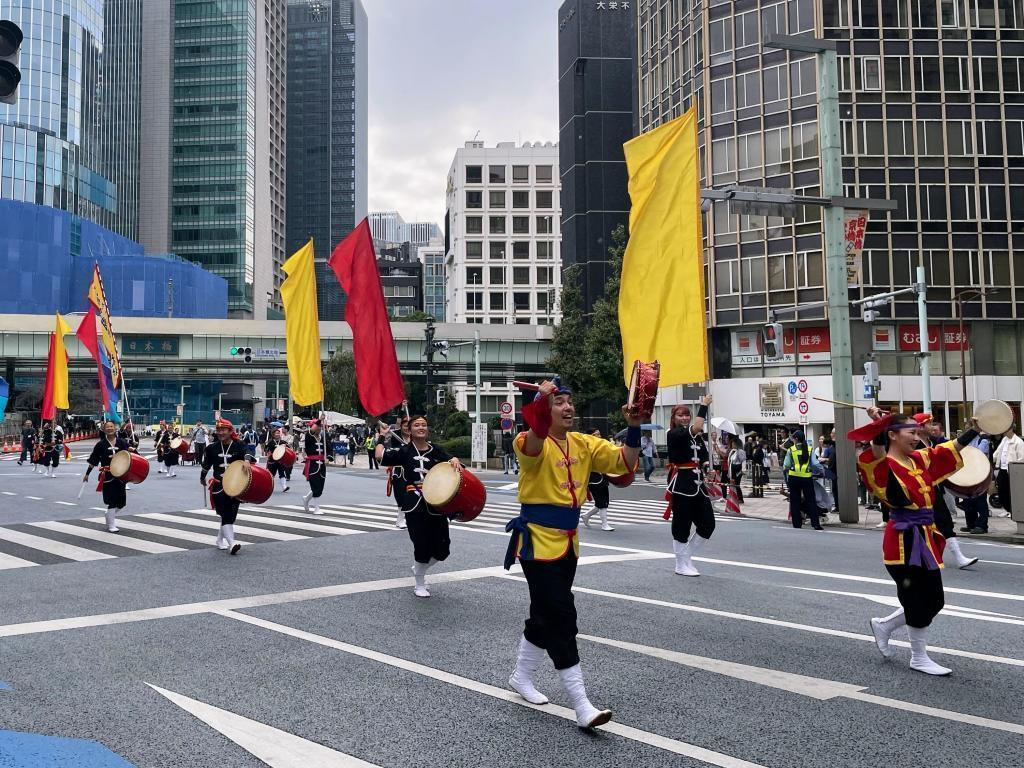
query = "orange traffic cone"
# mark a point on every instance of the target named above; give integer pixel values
(732, 502)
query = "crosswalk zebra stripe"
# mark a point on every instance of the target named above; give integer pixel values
(159, 530)
(334, 513)
(364, 515)
(51, 546)
(10, 561)
(305, 526)
(150, 547)
(215, 525)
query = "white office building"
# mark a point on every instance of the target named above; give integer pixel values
(502, 257)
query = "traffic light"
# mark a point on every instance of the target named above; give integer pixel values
(243, 352)
(10, 76)
(429, 347)
(440, 396)
(771, 340)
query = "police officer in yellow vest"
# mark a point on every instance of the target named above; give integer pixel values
(798, 467)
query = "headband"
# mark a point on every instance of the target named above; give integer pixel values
(560, 389)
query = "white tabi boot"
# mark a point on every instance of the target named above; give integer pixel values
(605, 525)
(316, 507)
(306, 499)
(419, 572)
(172, 472)
(585, 517)
(882, 629)
(587, 715)
(400, 520)
(284, 485)
(696, 542)
(222, 543)
(111, 516)
(684, 566)
(919, 658)
(959, 558)
(528, 660)
(229, 535)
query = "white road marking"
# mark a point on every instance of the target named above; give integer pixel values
(840, 533)
(8, 493)
(10, 561)
(214, 525)
(949, 610)
(276, 748)
(108, 538)
(503, 694)
(58, 548)
(35, 498)
(986, 561)
(813, 687)
(161, 530)
(98, 509)
(66, 503)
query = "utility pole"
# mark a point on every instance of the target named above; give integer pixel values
(428, 352)
(922, 323)
(476, 366)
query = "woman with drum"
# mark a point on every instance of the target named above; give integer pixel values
(906, 479)
(169, 454)
(276, 447)
(428, 529)
(396, 474)
(687, 494)
(318, 450)
(226, 449)
(113, 488)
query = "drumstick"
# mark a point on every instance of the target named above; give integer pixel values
(528, 385)
(81, 490)
(848, 405)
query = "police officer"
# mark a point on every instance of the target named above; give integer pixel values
(798, 467)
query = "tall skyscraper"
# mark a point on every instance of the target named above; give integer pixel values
(501, 234)
(596, 115)
(327, 132)
(51, 140)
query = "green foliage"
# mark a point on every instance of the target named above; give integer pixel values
(459, 447)
(340, 392)
(415, 317)
(457, 425)
(439, 413)
(567, 357)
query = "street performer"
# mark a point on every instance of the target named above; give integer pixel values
(170, 456)
(317, 450)
(428, 529)
(113, 488)
(554, 466)
(906, 480)
(686, 492)
(227, 448)
(158, 443)
(396, 474)
(597, 490)
(275, 469)
(49, 456)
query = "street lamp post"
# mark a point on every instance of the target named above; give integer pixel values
(183, 388)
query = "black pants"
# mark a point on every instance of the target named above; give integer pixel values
(690, 511)
(316, 482)
(52, 457)
(1003, 484)
(943, 515)
(736, 474)
(26, 452)
(756, 480)
(374, 464)
(113, 493)
(170, 457)
(276, 470)
(599, 492)
(428, 533)
(801, 500)
(976, 512)
(226, 506)
(919, 591)
(552, 621)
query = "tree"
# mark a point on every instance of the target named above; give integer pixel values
(457, 425)
(340, 392)
(602, 346)
(415, 317)
(567, 357)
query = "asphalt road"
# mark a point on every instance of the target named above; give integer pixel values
(309, 648)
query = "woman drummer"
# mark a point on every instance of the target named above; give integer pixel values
(170, 456)
(907, 481)
(113, 488)
(396, 475)
(317, 449)
(226, 449)
(428, 529)
(275, 468)
(687, 494)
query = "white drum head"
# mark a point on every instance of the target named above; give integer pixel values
(175, 442)
(976, 468)
(237, 478)
(441, 484)
(278, 452)
(994, 417)
(120, 464)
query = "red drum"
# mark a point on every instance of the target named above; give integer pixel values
(974, 477)
(284, 456)
(180, 445)
(129, 467)
(455, 493)
(247, 482)
(643, 388)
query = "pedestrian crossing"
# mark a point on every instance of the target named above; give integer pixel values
(25, 545)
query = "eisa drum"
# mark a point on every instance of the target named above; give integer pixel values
(180, 446)
(455, 493)
(247, 482)
(994, 417)
(129, 467)
(643, 388)
(284, 456)
(974, 477)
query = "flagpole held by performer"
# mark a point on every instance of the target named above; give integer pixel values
(686, 491)
(554, 465)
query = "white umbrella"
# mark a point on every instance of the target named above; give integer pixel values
(333, 417)
(723, 424)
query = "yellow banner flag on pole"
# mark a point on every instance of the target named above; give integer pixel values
(302, 328)
(661, 297)
(60, 365)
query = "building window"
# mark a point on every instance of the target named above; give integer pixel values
(497, 199)
(474, 174)
(749, 147)
(542, 301)
(543, 174)
(521, 199)
(474, 275)
(496, 225)
(872, 74)
(474, 301)
(776, 152)
(721, 95)
(474, 199)
(805, 146)
(474, 249)
(801, 76)
(723, 159)
(496, 174)
(474, 225)
(952, 13)
(746, 29)
(545, 198)
(496, 275)
(520, 275)
(497, 249)
(521, 249)
(497, 301)
(720, 40)
(545, 225)
(520, 174)
(521, 302)
(544, 275)
(545, 249)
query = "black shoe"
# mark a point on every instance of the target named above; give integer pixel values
(966, 529)
(977, 530)
(234, 549)
(817, 528)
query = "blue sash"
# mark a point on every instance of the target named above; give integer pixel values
(548, 515)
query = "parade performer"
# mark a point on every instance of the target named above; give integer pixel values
(930, 434)
(227, 448)
(428, 529)
(49, 455)
(317, 450)
(597, 490)
(686, 492)
(158, 443)
(554, 464)
(170, 456)
(113, 488)
(275, 439)
(396, 474)
(906, 481)
(28, 442)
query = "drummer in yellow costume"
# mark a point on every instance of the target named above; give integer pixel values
(554, 467)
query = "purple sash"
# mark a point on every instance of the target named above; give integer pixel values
(916, 520)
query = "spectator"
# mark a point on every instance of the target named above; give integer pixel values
(1010, 451)
(976, 508)
(647, 453)
(352, 447)
(508, 454)
(736, 459)
(198, 438)
(819, 449)
(757, 469)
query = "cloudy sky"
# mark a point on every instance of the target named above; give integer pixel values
(442, 70)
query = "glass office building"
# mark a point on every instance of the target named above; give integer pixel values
(50, 140)
(932, 116)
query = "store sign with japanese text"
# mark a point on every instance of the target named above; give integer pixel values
(854, 224)
(149, 345)
(810, 345)
(947, 337)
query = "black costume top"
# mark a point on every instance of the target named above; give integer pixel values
(28, 437)
(217, 457)
(104, 451)
(317, 445)
(414, 465)
(689, 453)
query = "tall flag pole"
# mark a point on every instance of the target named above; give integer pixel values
(98, 298)
(302, 327)
(55, 391)
(86, 333)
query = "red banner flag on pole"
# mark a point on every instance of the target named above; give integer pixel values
(49, 411)
(378, 377)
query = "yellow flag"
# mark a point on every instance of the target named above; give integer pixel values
(301, 327)
(60, 365)
(661, 297)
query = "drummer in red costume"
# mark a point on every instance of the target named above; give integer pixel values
(554, 466)
(906, 480)
(113, 488)
(227, 448)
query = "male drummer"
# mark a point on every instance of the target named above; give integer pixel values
(170, 454)
(554, 465)
(317, 449)
(113, 488)
(275, 468)
(158, 443)
(227, 448)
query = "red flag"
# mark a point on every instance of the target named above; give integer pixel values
(378, 377)
(86, 334)
(49, 410)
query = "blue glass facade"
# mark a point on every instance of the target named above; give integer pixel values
(48, 255)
